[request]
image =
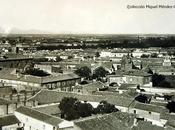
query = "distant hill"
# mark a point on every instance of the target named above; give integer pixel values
(1, 30)
(8, 31)
(32, 31)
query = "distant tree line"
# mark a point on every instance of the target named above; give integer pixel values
(114, 43)
(102, 42)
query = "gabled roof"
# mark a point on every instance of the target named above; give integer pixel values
(7, 74)
(4, 101)
(114, 93)
(123, 73)
(159, 103)
(132, 73)
(51, 109)
(52, 120)
(8, 120)
(163, 69)
(143, 125)
(93, 86)
(113, 121)
(170, 117)
(125, 86)
(149, 107)
(59, 78)
(130, 93)
(137, 73)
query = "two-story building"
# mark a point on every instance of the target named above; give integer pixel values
(29, 82)
(131, 77)
(148, 112)
(32, 119)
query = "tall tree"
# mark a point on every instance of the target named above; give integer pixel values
(58, 59)
(171, 106)
(156, 79)
(68, 108)
(100, 72)
(84, 72)
(105, 107)
(97, 54)
(84, 109)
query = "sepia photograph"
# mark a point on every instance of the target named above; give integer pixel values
(87, 65)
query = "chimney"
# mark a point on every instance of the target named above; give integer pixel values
(25, 76)
(18, 75)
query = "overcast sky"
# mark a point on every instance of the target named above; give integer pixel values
(86, 16)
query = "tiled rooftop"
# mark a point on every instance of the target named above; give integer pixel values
(8, 120)
(50, 96)
(39, 115)
(113, 121)
(7, 74)
(149, 107)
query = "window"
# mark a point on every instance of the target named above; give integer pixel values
(134, 111)
(26, 119)
(63, 83)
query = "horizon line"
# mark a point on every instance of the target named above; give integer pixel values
(87, 34)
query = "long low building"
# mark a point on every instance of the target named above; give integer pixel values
(17, 61)
(29, 82)
(36, 120)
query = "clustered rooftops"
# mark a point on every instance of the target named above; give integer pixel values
(50, 96)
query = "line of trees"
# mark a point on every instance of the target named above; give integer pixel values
(71, 108)
(115, 43)
(86, 72)
(160, 81)
(36, 72)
